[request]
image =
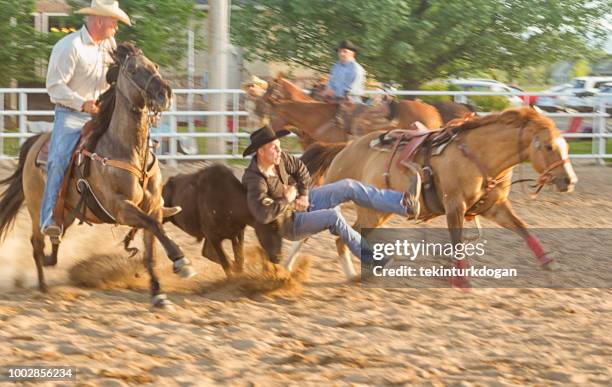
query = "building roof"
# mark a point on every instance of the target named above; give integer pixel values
(52, 6)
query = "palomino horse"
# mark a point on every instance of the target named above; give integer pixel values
(124, 175)
(316, 121)
(471, 176)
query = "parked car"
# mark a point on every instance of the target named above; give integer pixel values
(554, 103)
(606, 89)
(584, 90)
(527, 99)
(488, 86)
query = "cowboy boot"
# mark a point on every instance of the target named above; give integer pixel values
(412, 196)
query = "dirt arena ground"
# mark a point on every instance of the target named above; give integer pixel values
(311, 329)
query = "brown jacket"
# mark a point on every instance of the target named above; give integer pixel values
(265, 195)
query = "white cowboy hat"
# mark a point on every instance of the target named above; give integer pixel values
(255, 80)
(108, 8)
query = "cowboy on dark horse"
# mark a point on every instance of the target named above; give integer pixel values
(75, 79)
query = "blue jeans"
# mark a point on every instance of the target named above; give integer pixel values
(64, 138)
(324, 212)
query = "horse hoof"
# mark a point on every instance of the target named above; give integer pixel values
(187, 272)
(161, 302)
(49, 261)
(183, 268)
(551, 265)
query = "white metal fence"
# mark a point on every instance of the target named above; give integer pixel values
(169, 127)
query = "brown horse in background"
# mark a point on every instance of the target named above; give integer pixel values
(471, 177)
(450, 110)
(315, 120)
(123, 173)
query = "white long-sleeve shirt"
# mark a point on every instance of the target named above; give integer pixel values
(77, 69)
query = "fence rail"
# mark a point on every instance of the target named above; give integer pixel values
(170, 120)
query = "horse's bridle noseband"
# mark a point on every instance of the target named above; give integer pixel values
(546, 175)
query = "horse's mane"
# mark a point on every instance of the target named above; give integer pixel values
(319, 156)
(106, 101)
(512, 117)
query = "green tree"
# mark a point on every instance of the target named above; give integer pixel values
(413, 41)
(21, 45)
(159, 28)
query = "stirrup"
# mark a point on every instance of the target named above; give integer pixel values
(54, 232)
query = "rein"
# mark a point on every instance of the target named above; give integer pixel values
(489, 183)
(140, 173)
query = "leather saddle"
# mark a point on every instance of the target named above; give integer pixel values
(88, 199)
(42, 158)
(403, 141)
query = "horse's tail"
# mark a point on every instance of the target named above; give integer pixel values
(318, 157)
(12, 198)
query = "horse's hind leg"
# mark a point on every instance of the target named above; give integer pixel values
(158, 299)
(38, 246)
(51, 260)
(502, 214)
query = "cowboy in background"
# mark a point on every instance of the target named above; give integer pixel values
(347, 77)
(346, 84)
(255, 88)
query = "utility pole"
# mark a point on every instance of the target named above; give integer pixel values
(218, 17)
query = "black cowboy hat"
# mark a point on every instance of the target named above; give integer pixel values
(348, 45)
(261, 137)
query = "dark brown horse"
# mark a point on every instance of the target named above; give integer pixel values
(471, 177)
(125, 177)
(316, 120)
(215, 208)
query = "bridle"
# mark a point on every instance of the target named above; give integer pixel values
(546, 175)
(490, 183)
(141, 173)
(134, 108)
